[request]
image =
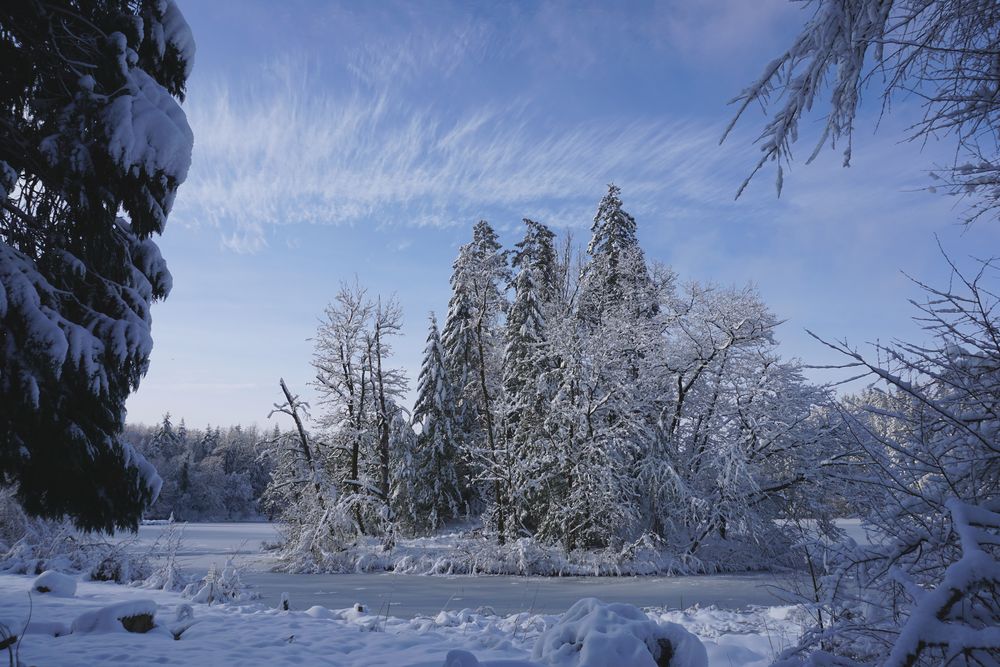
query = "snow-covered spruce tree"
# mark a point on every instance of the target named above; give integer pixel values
(594, 436)
(616, 273)
(944, 50)
(406, 476)
(473, 349)
(528, 363)
(93, 147)
(598, 424)
(435, 496)
(927, 590)
(536, 252)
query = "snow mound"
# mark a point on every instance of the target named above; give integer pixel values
(459, 658)
(317, 611)
(114, 618)
(55, 583)
(595, 634)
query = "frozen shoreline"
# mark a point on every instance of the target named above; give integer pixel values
(406, 594)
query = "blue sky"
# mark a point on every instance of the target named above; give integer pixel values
(343, 139)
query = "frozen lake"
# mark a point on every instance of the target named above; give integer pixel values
(409, 595)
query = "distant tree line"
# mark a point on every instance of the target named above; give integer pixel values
(210, 474)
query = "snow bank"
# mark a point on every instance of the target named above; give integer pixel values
(460, 658)
(55, 583)
(114, 618)
(594, 634)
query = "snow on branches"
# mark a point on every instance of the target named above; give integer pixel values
(927, 591)
(94, 147)
(943, 51)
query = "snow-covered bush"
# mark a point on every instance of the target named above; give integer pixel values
(118, 562)
(166, 574)
(56, 545)
(927, 591)
(221, 587)
(596, 634)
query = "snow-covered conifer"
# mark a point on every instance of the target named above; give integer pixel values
(92, 128)
(527, 382)
(473, 355)
(436, 495)
(616, 275)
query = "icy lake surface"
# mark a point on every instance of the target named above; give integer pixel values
(410, 595)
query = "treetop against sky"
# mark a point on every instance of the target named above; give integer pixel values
(345, 139)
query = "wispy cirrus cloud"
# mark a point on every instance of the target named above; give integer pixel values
(286, 148)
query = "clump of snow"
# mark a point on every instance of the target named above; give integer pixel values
(110, 618)
(8, 179)
(593, 634)
(55, 583)
(174, 31)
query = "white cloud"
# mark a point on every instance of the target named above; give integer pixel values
(286, 149)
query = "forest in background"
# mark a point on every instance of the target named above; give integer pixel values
(211, 474)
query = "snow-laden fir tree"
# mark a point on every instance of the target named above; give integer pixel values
(93, 148)
(407, 479)
(616, 274)
(527, 381)
(436, 496)
(473, 349)
(594, 436)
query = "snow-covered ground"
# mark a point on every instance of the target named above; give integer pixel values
(399, 620)
(259, 635)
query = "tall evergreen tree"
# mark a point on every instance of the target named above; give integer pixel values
(536, 251)
(90, 127)
(436, 497)
(473, 353)
(616, 275)
(527, 363)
